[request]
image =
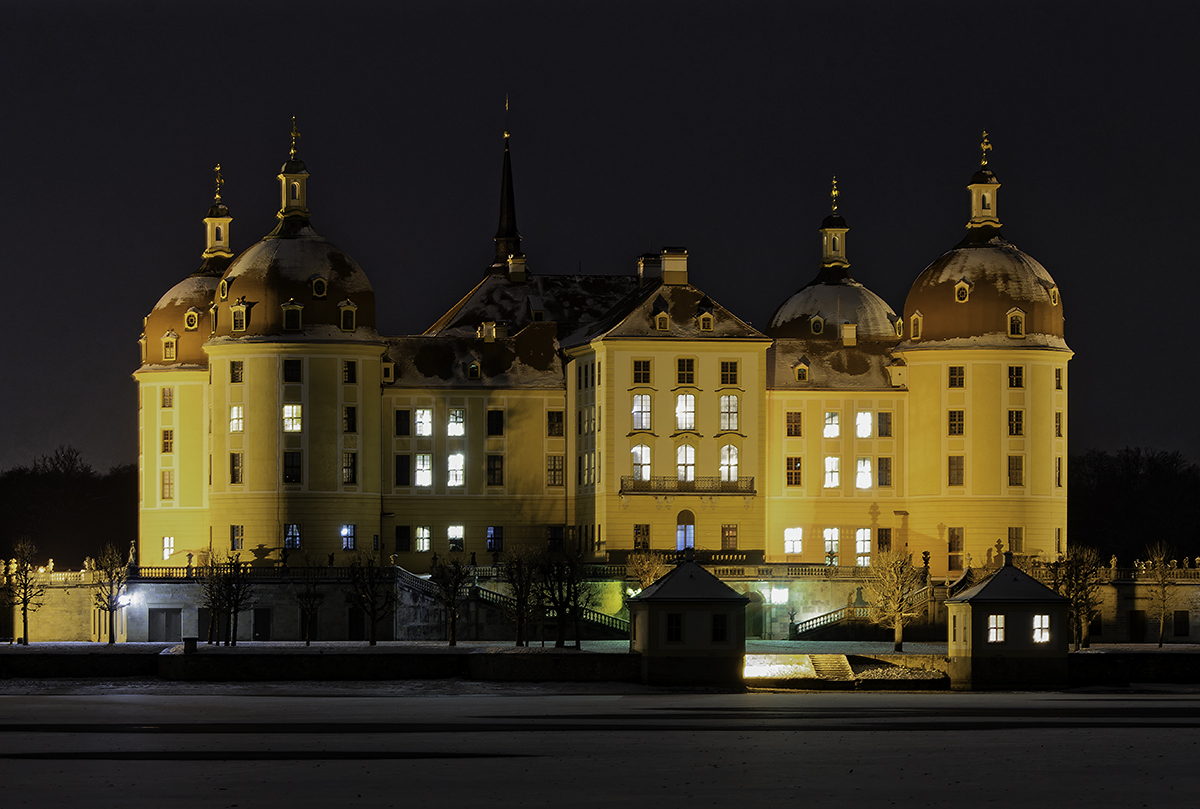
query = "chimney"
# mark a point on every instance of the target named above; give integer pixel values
(674, 265)
(849, 334)
(516, 268)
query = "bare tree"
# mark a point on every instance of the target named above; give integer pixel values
(1076, 576)
(565, 590)
(112, 576)
(371, 589)
(1160, 566)
(893, 587)
(520, 570)
(225, 591)
(648, 566)
(309, 596)
(449, 576)
(26, 585)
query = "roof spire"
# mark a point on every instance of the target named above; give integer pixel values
(984, 148)
(835, 268)
(216, 228)
(833, 195)
(508, 239)
(220, 182)
(984, 187)
(295, 138)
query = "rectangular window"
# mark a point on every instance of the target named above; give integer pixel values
(403, 470)
(729, 537)
(862, 424)
(235, 371)
(793, 468)
(168, 398)
(236, 471)
(685, 371)
(293, 420)
(883, 537)
(995, 629)
(403, 422)
(641, 536)
(291, 536)
(1058, 425)
(641, 372)
(349, 419)
(495, 538)
(1016, 470)
(832, 426)
(239, 319)
(862, 476)
(729, 373)
(958, 376)
(555, 470)
(424, 469)
(1016, 422)
(455, 536)
(495, 470)
(403, 538)
(456, 421)
(237, 418)
(729, 413)
(955, 470)
(862, 547)
(1016, 539)
(795, 424)
(424, 420)
(955, 541)
(956, 421)
(1058, 472)
(348, 537)
(293, 370)
(237, 537)
(168, 441)
(495, 422)
(793, 540)
(168, 484)
(1058, 378)
(674, 627)
(555, 426)
(720, 627)
(349, 467)
(831, 546)
(456, 473)
(349, 371)
(424, 538)
(292, 466)
(1016, 376)
(685, 411)
(885, 472)
(1183, 624)
(1041, 628)
(641, 411)
(833, 473)
(885, 424)
(168, 547)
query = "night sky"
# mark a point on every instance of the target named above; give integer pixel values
(714, 126)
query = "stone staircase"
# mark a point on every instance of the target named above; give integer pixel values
(832, 667)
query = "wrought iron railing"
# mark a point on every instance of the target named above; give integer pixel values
(664, 484)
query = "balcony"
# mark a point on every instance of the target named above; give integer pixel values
(673, 485)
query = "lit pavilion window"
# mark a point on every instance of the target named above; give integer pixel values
(424, 533)
(729, 413)
(1041, 629)
(424, 421)
(292, 418)
(456, 470)
(168, 547)
(831, 545)
(424, 469)
(236, 418)
(347, 537)
(641, 411)
(995, 629)
(862, 547)
(685, 462)
(685, 411)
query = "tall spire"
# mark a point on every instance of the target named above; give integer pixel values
(293, 182)
(834, 266)
(508, 239)
(216, 222)
(984, 188)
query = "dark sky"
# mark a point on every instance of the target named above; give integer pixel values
(715, 126)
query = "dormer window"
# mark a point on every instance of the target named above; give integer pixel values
(914, 329)
(348, 315)
(389, 371)
(224, 289)
(899, 327)
(191, 320)
(817, 324)
(662, 322)
(212, 319)
(802, 372)
(319, 287)
(962, 292)
(291, 315)
(169, 342)
(1054, 296)
(706, 322)
(473, 370)
(1016, 323)
(238, 313)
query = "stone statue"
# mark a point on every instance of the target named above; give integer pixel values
(1112, 563)
(132, 552)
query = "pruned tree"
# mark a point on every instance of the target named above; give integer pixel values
(1160, 569)
(565, 590)
(371, 588)
(108, 588)
(26, 585)
(1076, 576)
(893, 587)
(520, 570)
(648, 566)
(308, 596)
(449, 575)
(226, 590)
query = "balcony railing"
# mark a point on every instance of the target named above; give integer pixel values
(663, 484)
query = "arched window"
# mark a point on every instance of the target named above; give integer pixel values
(915, 329)
(473, 371)
(685, 462)
(987, 202)
(685, 530)
(347, 319)
(295, 191)
(1016, 323)
(217, 232)
(641, 462)
(835, 244)
(729, 463)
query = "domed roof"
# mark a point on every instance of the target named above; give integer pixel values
(817, 310)
(182, 315)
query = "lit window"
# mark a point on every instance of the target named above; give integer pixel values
(862, 547)
(885, 425)
(555, 470)
(349, 467)
(495, 470)
(424, 534)
(168, 441)
(885, 472)
(236, 469)
(1041, 628)
(793, 540)
(168, 484)
(641, 372)
(291, 536)
(292, 466)
(424, 421)
(236, 418)
(862, 476)
(729, 463)
(495, 538)
(455, 535)
(349, 371)
(168, 398)
(795, 424)
(955, 466)
(956, 421)
(235, 371)
(347, 537)
(641, 411)
(456, 421)
(349, 419)
(456, 470)
(685, 462)
(1016, 422)
(293, 371)
(424, 469)
(685, 371)
(292, 418)
(685, 412)
(729, 413)
(862, 424)
(641, 462)
(729, 373)
(555, 423)
(793, 470)
(1016, 470)
(995, 629)
(237, 537)
(831, 546)
(833, 474)
(832, 427)
(168, 547)
(958, 376)
(1016, 376)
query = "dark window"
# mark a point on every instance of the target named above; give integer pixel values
(554, 423)
(641, 537)
(956, 421)
(885, 471)
(641, 372)
(885, 424)
(955, 468)
(495, 422)
(236, 472)
(954, 545)
(674, 627)
(291, 319)
(555, 469)
(1016, 376)
(1016, 422)
(403, 470)
(403, 538)
(1058, 378)
(729, 373)
(235, 370)
(720, 627)
(958, 376)
(403, 422)
(495, 538)
(729, 537)
(1016, 470)
(349, 419)
(349, 467)
(293, 371)
(795, 424)
(293, 467)
(1016, 539)
(495, 470)
(686, 372)
(347, 320)
(884, 537)
(349, 371)
(554, 537)
(237, 537)
(291, 536)
(1182, 624)
(793, 468)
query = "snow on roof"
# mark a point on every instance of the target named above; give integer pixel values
(528, 359)
(830, 365)
(847, 302)
(298, 258)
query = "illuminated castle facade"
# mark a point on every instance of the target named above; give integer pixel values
(609, 412)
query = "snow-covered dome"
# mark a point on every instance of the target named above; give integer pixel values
(182, 316)
(819, 309)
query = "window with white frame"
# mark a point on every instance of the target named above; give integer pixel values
(168, 547)
(793, 540)
(832, 427)
(641, 462)
(685, 411)
(863, 424)
(456, 469)
(729, 413)
(1041, 629)
(424, 533)
(423, 418)
(862, 547)
(685, 462)
(833, 472)
(293, 420)
(455, 536)
(423, 467)
(236, 418)
(641, 411)
(729, 463)
(995, 629)
(862, 474)
(831, 545)
(456, 421)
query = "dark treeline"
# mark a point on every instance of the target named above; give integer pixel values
(1121, 503)
(67, 508)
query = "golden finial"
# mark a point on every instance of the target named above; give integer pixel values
(984, 147)
(295, 136)
(833, 194)
(220, 182)
(506, 116)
